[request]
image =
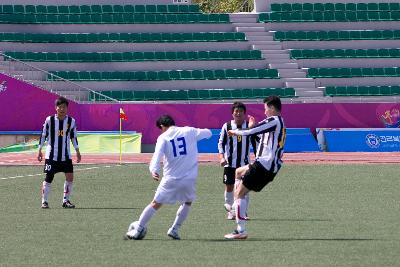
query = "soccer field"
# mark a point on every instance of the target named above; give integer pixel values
(311, 215)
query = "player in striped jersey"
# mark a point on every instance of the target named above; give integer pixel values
(233, 152)
(255, 176)
(59, 130)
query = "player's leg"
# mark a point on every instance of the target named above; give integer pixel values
(68, 184)
(46, 185)
(229, 181)
(181, 216)
(135, 229)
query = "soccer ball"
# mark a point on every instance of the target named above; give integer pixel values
(133, 233)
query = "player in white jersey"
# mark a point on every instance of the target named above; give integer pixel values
(177, 147)
(255, 176)
(233, 152)
(59, 130)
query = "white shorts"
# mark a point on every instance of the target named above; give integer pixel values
(170, 191)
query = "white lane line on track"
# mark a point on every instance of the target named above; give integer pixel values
(39, 174)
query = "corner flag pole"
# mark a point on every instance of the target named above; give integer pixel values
(120, 140)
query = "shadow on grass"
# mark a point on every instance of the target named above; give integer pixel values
(251, 239)
(105, 208)
(291, 220)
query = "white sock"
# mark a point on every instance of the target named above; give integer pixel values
(146, 215)
(241, 210)
(181, 216)
(46, 187)
(228, 197)
(67, 190)
(247, 196)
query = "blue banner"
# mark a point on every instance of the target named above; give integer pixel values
(362, 140)
(297, 140)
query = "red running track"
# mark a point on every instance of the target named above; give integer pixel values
(290, 158)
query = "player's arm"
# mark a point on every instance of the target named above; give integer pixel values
(74, 140)
(43, 137)
(156, 159)
(223, 139)
(203, 134)
(267, 125)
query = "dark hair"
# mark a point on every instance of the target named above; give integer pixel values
(165, 120)
(61, 100)
(238, 105)
(274, 101)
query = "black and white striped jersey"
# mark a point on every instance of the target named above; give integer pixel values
(236, 149)
(270, 149)
(58, 134)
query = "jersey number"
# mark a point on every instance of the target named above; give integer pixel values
(181, 146)
(61, 133)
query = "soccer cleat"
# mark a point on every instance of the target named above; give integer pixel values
(45, 205)
(236, 235)
(68, 205)
(227, 207)
(231, 215)
(173, 234)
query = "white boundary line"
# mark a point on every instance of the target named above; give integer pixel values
(39, 174)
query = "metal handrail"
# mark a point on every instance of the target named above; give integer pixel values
(107, 98)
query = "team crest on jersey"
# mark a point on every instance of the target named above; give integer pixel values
(372, 141)
(3, 86)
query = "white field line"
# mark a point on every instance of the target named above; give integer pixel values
(40, 174)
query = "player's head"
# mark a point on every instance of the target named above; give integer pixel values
(61, 107)
(272, 105)
(164, 122)
(238, 112)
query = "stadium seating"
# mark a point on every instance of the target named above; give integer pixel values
(114, 18)
(200, 94)
(353, 72)
(135, 56)
(334, 12)
(97, 9)
(166, 75)
(337, 35)
(344, 53)
(362, 90)
(121, 37)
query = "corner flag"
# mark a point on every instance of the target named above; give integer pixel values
(122, 115)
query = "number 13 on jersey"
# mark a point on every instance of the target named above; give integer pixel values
(178, 146)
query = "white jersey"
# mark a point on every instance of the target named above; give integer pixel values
(178, 148)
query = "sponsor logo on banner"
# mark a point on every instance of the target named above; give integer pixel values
(391, 118)
(386, 141)
(372, 141)
(3, 86)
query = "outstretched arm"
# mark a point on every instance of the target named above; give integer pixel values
(156, 159)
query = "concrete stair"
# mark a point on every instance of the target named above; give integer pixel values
(275, 56)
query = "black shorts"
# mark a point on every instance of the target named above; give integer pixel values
(257, 177)
(229, 175)
(52, 167)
